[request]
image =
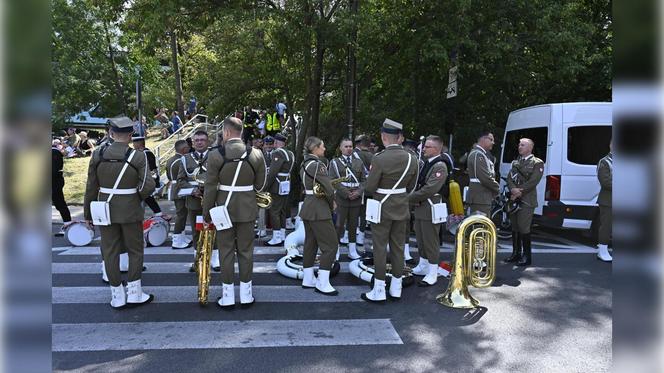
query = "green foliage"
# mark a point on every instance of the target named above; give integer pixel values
(236, 53)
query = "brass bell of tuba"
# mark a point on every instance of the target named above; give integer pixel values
(203, 253)
(474, 262)
(319, 191)
(263, 200)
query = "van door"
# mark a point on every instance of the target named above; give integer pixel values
(540, 136)
(585, 145)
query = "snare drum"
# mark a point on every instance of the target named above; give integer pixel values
(155, 231)
(79, 233)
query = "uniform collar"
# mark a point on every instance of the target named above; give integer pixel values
(234, 139)
(480, 148)
(202, 155)
(433, 158)
(395, 146)
(528, 157)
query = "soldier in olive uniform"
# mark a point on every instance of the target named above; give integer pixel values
(483, 186)
(392, 176)
(316, 214)
(268, 144)
(349, 194)
(278, 177)
(192, 171)
(430, 182)
(522, 180)
(235, 173)
(124, 195)
(361, 152)
(604, 200)
(179, 240)
(411, 146)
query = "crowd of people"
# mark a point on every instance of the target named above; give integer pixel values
(393, 190)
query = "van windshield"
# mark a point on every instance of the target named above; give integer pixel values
(587, 144)
(538, 134)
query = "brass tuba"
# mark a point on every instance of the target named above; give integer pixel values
(474, 262)
(202, 263)
(319, 191)
(263, 200)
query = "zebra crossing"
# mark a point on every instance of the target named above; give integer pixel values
(76, 273)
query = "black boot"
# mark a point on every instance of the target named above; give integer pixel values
(516, 249)
(526, 259)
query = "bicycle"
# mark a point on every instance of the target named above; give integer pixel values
(501, 210)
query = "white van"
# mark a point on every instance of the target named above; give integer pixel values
(570, 138)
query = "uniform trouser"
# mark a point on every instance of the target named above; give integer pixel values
(278, 211)
(152, 203)
(363, 215)
(319, 234)
(192, 221)
(115, 239)
(180, 215)
(522, 219)
(484, 209)
(605, 221)
(58, 198)
(347, 218)
(237, 240)
(409, 228)
(392, 232)
(428, 242)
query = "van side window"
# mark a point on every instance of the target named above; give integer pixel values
(587, 144)
(538, 134)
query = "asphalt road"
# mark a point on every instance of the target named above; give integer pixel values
(555, 316)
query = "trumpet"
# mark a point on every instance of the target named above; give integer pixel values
(474, 262)
(202, 263)
(319, 191)
(263, 200)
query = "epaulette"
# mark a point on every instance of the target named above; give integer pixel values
(379, 153)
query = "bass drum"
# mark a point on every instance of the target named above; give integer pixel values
(291, 267)
(79, 234)
(155, 231)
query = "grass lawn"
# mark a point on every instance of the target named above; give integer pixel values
(76, 172)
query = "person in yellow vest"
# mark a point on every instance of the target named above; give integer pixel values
(272, 124)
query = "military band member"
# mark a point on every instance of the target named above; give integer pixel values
(427, 192)
(393, 174)
(138, 143)
(361, 152)
(604, 200)
(522, 180)
(123, 190)
(348, 194)
(180, 239)
(483, 186)
(193, 171)
(235, 173)
(316, 214)
(268, 145)
(278, 184)
(412, 147)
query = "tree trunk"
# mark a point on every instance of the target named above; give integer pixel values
(179, 100)
(119, 91)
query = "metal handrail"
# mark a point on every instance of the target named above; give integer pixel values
(162, 154)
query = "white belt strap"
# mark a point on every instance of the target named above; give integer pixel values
(117, 190)
(239, 188)
(391, 191)
(237, 173)
(350, 185)
(117, 181)
(284, 174)
(309, 192)
(394, 189)
(475, 180)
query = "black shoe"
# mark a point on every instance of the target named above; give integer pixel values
(149, 300)
(364, 297)
(516, 249)
(216, 269)
(526, 259)
(332, 293)
(192, 269)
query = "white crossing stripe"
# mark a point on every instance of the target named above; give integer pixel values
(95, 250)
(222, 334)
(158, 267)
(188, 294)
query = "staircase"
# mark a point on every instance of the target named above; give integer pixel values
(165, 149)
